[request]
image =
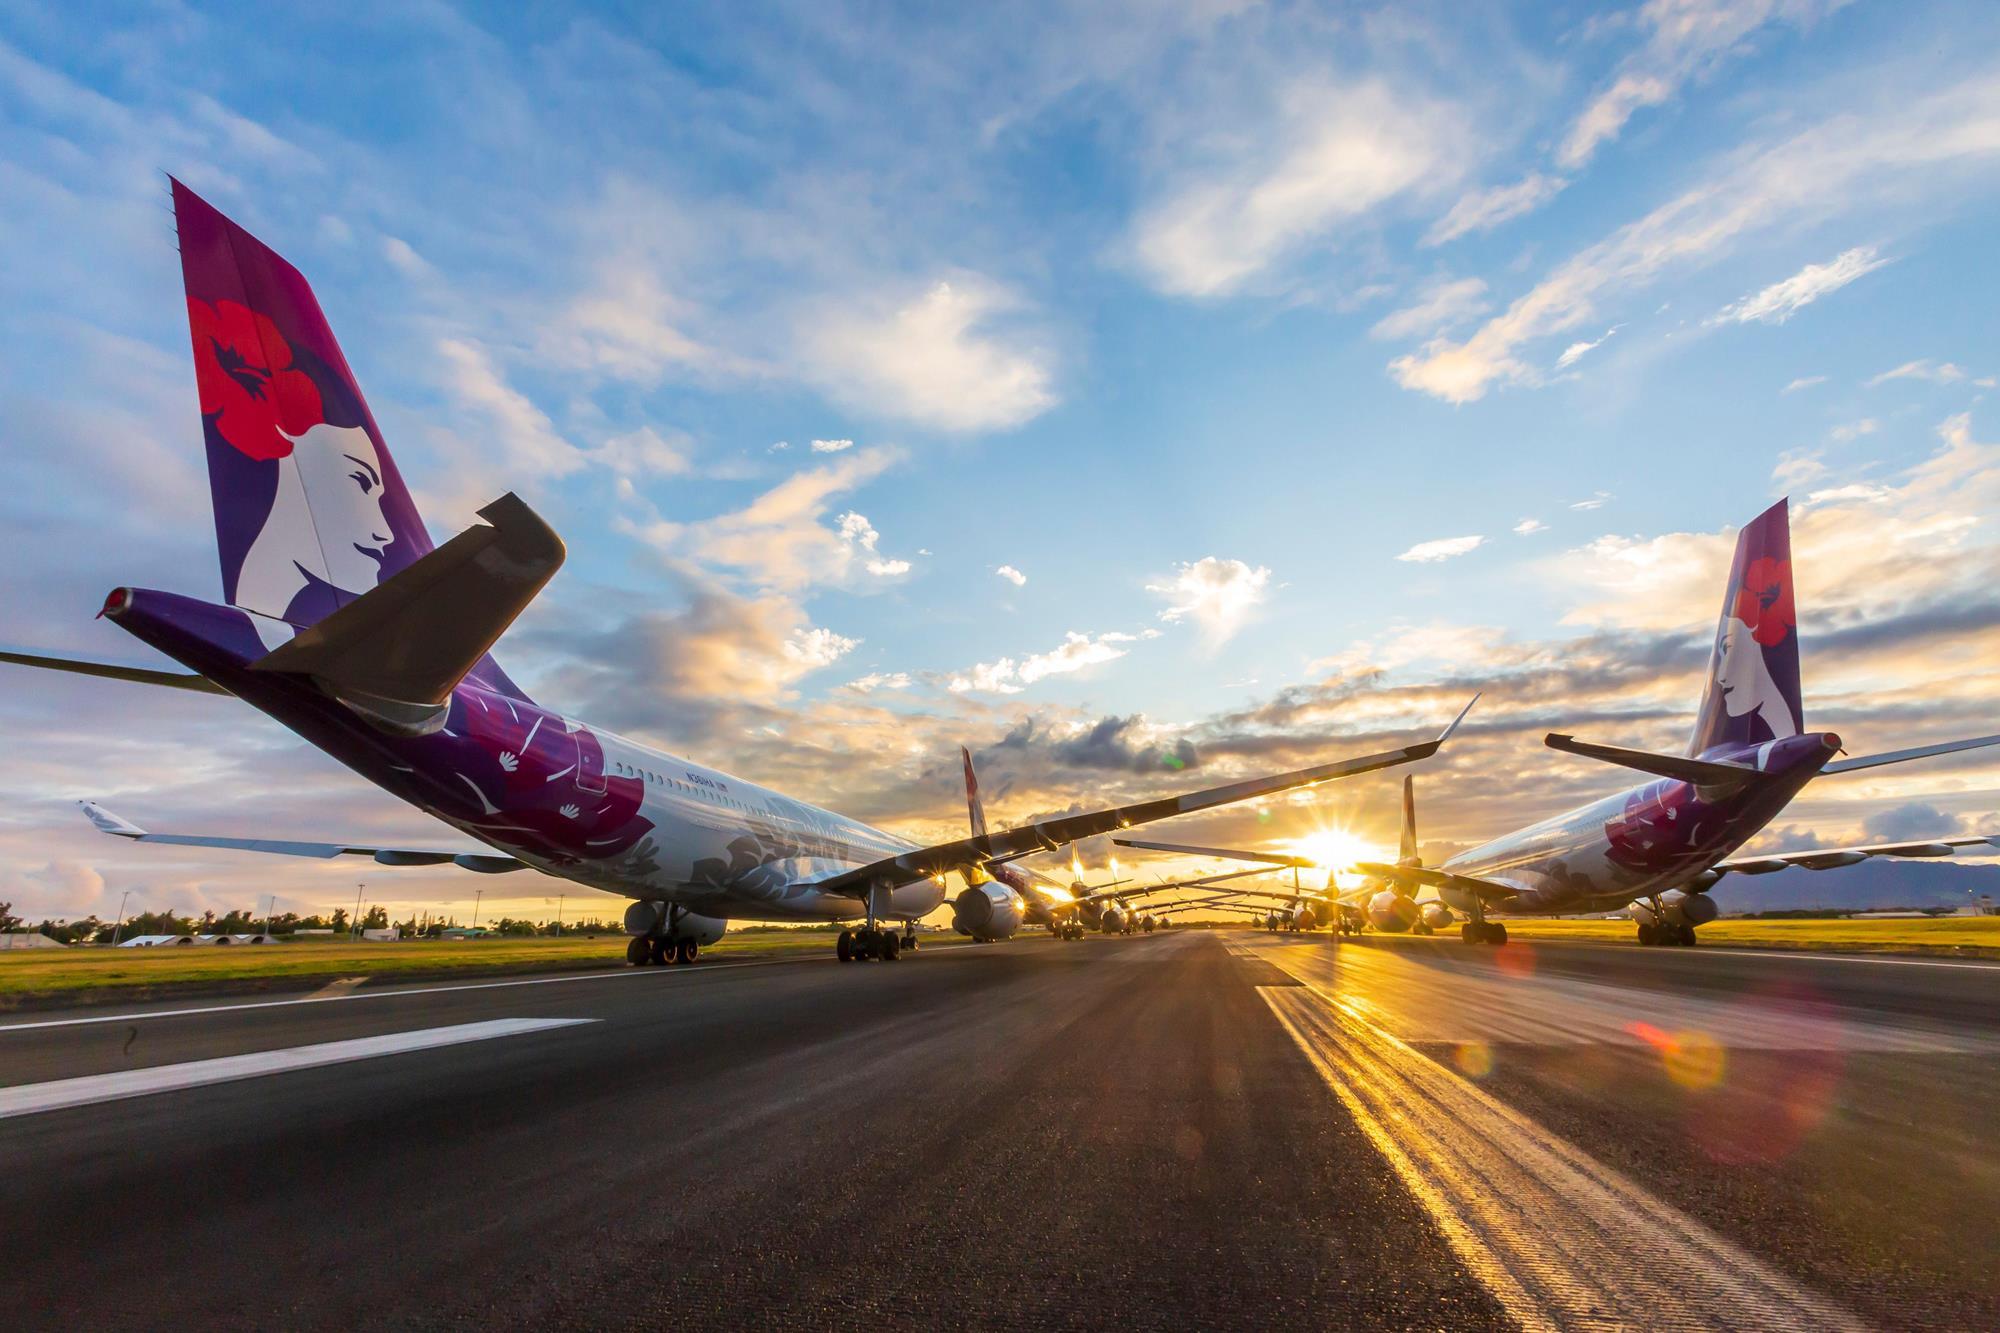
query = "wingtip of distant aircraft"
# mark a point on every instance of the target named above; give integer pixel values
(1445, 735)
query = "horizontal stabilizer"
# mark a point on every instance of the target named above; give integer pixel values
(1704, 772)
(175, 680)
(1832, 858)
(1904, 756)
(482, 862)
(1486, 890)
(396, 652)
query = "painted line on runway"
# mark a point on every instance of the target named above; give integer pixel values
(33, 1098)
(1559, 1239)
(609, 974)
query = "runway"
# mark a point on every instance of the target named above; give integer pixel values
(1216, 1129)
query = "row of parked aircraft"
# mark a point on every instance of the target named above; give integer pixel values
(343, 622)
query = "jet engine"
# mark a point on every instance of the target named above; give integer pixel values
(669, 922)
(1112, 922)
(987, 912)
(1437, 916)
(1678, 909)
(1391, 912)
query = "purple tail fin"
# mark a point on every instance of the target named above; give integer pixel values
(1752, 694)
(310, 511)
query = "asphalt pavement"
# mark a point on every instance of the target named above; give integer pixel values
(1195, 1129)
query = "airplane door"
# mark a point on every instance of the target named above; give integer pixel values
(589, 763)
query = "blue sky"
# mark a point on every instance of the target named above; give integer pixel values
(1227, 328)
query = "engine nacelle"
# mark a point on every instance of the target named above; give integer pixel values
(1112, 921)
(664, 921)
(988, 912)
(1305, 918)
(1437, 916)
(1690, 909)
(1392, 912)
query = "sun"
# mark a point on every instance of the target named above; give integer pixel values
(1336, 849)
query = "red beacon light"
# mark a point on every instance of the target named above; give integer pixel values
(119, 599)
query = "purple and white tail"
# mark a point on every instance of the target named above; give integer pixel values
(310, 511)
(1752, 692)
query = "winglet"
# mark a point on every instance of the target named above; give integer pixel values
(1445, 735)
(109, 823)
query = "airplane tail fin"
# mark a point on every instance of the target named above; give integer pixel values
(310, 511)
(1406, 850)
(975, 809)
(1752, 690)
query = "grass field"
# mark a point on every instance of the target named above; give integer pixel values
(1959, 936)
(40, 977)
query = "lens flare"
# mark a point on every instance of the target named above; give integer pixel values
(1474, 1058)
(1333, 848)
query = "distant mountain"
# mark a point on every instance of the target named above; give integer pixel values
(1872, 884)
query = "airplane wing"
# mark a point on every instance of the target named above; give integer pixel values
(1486, 890)
(1050, 834)
(1830, 858)
(177, 680)
(481, 862)
(1221, 853)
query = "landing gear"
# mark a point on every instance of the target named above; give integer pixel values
(685, 950)
(910, 940)
(1483, 932)
(639, 951)
(858, 946)
(1420, 929)
(657, 951)
(1668, 934)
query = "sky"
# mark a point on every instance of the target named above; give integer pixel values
(1144, 395)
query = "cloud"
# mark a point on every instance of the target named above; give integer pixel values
(1798, 467)
(630, 328)
(1217, 595)
(528, 441)
(1781, 300)
(1815, 174)
(876, 680)
(816, 648)
(1934, 372)
(1443, 548)
(1685, 41)
(1803, 382)
(1597, 500)
(644, 452)
(1482, 210)
(1333, 155)
(404, 259)
(1012, 575)
(780, 539)
(831, 446)
(1854, 430)
(1008, 676)
(1913, 819)
(1527, 527)
(945, 359)
(1440, 305)
(1576, 351)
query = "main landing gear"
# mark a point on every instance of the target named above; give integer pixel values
(660, 951)
(1483, 932)
(1666, 933)
(858, 946)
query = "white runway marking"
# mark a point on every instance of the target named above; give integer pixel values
(32, 1098)
(1559, 1239)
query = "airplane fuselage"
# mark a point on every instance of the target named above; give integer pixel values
(1643, 841)
(568, 799)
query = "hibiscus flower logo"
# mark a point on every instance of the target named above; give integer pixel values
(243, 368)
(1764, 602)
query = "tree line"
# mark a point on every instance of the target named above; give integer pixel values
(246, 921)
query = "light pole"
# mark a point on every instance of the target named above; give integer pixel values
(269, 907)
(119, 929)
(477, 894)
(354, 926)
(559, 905)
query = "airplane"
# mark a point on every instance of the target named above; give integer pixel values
(341, 621)
(1655, 850)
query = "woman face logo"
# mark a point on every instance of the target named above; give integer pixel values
(1745, 680)
(341, 474)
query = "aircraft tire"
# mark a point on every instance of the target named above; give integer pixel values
(1470, 933)
(686, 951)
(1496, 933)
(638, 951)
(1686, 937)
(910, 942)
(892, 946)
(1649, 935)
(845, 948)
